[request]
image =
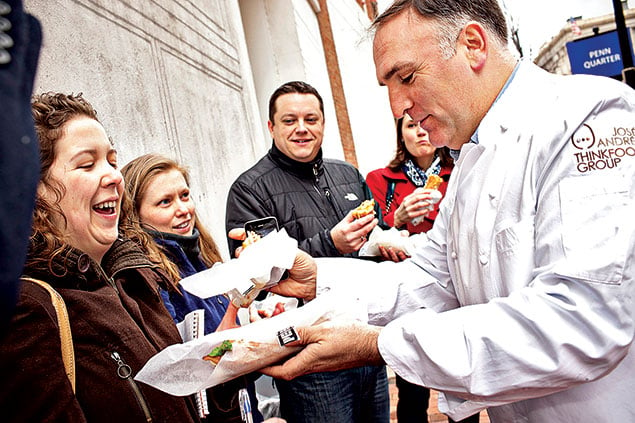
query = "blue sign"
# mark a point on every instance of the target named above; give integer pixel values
(598, 55)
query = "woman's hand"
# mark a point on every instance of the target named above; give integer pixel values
(229, 319)
(414, 205)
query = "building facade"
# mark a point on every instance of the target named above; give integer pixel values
(553, 56)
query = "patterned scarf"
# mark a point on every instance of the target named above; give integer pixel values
(418, 176)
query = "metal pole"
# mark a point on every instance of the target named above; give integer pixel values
(622, 34)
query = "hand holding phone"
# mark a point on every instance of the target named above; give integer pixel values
(254, 230)
(261, 227)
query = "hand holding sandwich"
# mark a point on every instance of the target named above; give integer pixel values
(419, 203)
(301, 282)
(352, 232)
(413, 206)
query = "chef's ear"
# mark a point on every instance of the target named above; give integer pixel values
(474, 42)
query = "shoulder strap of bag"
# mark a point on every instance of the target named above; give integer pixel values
(66, 338)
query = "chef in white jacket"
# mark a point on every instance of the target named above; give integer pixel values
(522, 300)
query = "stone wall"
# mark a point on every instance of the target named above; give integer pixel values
(166, 76)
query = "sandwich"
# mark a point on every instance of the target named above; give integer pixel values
(365, 208)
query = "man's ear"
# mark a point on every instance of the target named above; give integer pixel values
(475, 41)
(270, 126)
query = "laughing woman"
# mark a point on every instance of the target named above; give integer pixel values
(110, 289)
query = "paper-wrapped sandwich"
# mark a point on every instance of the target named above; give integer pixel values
(432, 186)
(184, 369)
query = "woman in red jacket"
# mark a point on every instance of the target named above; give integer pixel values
(393, 186)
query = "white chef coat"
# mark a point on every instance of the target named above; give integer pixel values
(521, 301)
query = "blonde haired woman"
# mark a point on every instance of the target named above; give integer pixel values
(161, 205)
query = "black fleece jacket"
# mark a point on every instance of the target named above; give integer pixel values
(308, 199)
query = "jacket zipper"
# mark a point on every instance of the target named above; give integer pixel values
(125, 372)
(326, 192)
(110, 280)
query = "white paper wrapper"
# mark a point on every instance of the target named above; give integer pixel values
(260, 265)
(435, 197)
(180, 369)
(265, 308)
(385, 238)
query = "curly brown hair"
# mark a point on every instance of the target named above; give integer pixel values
(51, 112)
(137, 175)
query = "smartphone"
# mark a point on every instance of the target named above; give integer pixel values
(262, 226)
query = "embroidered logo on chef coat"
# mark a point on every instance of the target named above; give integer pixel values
(351, 196)
(604, 151)
(583, 138)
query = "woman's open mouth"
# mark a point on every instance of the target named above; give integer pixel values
(106, 208)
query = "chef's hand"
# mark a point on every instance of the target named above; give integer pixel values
(329, 347)
(301, 282)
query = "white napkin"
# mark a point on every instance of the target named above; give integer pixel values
(435, 197)
(260, 265)
(385, 238)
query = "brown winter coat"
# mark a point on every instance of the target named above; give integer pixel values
(113, 308)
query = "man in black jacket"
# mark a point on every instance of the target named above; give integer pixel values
(312, 198)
